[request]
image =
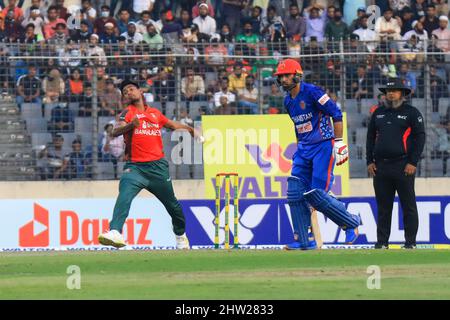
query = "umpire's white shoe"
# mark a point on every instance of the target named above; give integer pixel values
(112, 238)
(182, 242)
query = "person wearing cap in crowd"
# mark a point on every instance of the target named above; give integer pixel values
(356, 24)
(96, 51)
(395, 142)
(195, 12)
(431, 20)
(35, 18)
(420, 33)
(145, 167)
(132, 36)
(443, 34)
(206, 24)
(108, 35)
(100, 22)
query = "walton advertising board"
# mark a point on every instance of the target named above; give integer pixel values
(75, 223)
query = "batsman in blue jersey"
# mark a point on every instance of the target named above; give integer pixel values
(318, 128)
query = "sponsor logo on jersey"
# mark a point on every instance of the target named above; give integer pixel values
(324, 99)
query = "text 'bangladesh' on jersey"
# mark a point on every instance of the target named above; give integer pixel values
(144, 143)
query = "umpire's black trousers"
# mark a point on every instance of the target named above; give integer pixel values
(390, 177)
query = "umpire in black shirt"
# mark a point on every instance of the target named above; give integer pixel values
(395, 141)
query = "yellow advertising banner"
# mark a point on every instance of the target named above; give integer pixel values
(259, 148)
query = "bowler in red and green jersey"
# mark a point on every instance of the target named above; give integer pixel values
(145, 166)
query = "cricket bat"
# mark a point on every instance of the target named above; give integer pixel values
(316, 229)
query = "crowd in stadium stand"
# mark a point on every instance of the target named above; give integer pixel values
(119, 28)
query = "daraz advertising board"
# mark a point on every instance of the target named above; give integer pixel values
(74, 224)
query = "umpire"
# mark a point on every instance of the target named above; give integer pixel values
(395, 141)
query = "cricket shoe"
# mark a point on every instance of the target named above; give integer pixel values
(381, 246)
(298, 246)
(112, 238)
(182, 242)
(409, 246)
(352, 234)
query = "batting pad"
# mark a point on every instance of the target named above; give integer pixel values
(331, 208)
(300, 213)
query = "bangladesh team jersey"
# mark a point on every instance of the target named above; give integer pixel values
(144, 143)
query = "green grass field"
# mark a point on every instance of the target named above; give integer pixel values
(245, 274)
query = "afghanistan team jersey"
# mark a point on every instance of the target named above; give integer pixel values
(311, 111)
(144, 143)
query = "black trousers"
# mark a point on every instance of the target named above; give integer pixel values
(390, 178)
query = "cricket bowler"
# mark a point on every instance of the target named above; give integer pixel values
(319, 130)
(146, 167)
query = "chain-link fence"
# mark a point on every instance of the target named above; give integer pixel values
(59, 100)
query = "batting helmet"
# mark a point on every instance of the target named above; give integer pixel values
(288, 66)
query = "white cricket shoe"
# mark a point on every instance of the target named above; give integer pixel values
(112, 238)
(182, 242)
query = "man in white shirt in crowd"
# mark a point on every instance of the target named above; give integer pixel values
(224, 91)
(132, 36)
(206, 24)
(420, 33)
(443, 34)
(366, 34)
(388, 28)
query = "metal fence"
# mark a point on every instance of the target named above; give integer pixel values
(58, 99)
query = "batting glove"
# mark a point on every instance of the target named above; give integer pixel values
(340, 151)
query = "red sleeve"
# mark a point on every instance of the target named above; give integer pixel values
(162, 119)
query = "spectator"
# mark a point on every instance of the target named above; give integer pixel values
(272, 26)
(132, 36)
(100, 22)
(420, 33)
(85, 109)
(410, 50)
(399, 5)
(237, 78)
(442, 8)
(206, 24)
(430, 21)
(171, 31)
(409, 78)
(315, 60)
(185, 118)
(153, 38)
(336, 29)
(249, 40)
(274, 100)
(225, 107)
(226, 35)
(29, 36)
(387, 27)
(59, 39)
(61, 119)
(52, 21)
(192, 88)
(78, 163)
(83, 34)
(231, 13)
(196, 8)
(295, 24)
(366, 35)
(419, 8)
(215, 53)
(87, 11)
(362, 86)
(53, 86)
(141, 6)
(315, 22)
(110, 100)
(255, 19)
(355, 46)
(124, 19)
(356, 24)
(17, 12)
(12, 27)
(185, 21)
(407, 16)
(443, 34)
(36, 20)
(75, 86)
(70, 57)
(34, 4)
(438, 89)
(50, 159)
(248, 97)
(191, 36)
(114, 147)
(62, 11)
(29, 88)
(224, 91)
(142, 24)
(95, 51)
(108, 36)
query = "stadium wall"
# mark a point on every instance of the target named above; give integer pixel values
(184, 189)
